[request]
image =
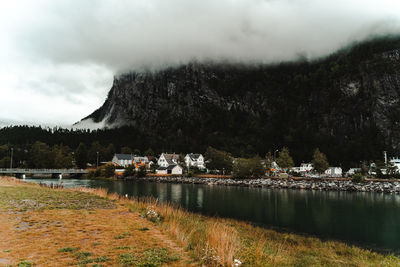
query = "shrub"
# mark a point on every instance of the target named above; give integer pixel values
(129, 171)
(358, 178)
(109, 170)
(141, 172)
(91, 174)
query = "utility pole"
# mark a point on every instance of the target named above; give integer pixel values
(12, 150)
(275, 155)
(385, 157)
(275, 165)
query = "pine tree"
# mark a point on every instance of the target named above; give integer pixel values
(284, 160)
(81, 156)
(319, 162)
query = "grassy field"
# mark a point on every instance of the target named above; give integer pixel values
(87, 227)
(40, 226)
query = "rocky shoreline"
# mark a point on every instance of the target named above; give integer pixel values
(390, 187)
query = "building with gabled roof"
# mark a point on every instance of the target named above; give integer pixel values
(123, 160)
(167, 159)
(195, 160)
(171, 169)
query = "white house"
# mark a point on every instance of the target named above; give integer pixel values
(334, 172)
(305, 167)
(195, 160)
(296, 169)
(352, 171)
(122, 160)
(396, 163)
(171, 169)
(167, 159)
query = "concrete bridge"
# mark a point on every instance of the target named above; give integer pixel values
(21, 173)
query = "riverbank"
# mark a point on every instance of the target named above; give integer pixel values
(339, 184)
(51, 227)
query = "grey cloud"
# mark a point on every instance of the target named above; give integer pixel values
(126, 35)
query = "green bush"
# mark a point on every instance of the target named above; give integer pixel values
(358, 178)
(129, 171)
(109, 170)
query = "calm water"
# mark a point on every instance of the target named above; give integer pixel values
(368, 219)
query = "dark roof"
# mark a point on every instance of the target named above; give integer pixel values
(169, 158)
(161, 168)
(194, 156)
(124, 156)
(170, 167)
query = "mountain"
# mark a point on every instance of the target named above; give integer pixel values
(346, 104)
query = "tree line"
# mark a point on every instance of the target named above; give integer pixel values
(59, 156)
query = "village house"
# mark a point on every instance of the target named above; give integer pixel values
(122, 160)
(195, 160)
(395, 162)
(305, 167)
(168, 164)
(138, 162)
(171, 169)
(167, 159)
(125, 160)
(352, 171)
(334, 172)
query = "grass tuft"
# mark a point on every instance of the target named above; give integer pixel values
(122, 248)
(67, 249)
(83, 255)
(122, 236)
(25, 264)
(150, 257)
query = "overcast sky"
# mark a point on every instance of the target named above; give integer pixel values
(58, 57)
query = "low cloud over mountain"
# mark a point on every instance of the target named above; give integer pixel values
(61, 55)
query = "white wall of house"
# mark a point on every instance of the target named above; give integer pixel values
(190, 162)
(177, 170)
(306, 167)
(162, 162)
(121, 162)
(334, 171)
(161, 171)
(200, 162)
(395, 162)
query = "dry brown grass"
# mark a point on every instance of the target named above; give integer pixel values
(9, 181)
(37, 236)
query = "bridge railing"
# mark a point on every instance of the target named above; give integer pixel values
(42, 171)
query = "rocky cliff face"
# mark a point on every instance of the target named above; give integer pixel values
(347, 103)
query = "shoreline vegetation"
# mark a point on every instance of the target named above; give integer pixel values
(89, 227)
